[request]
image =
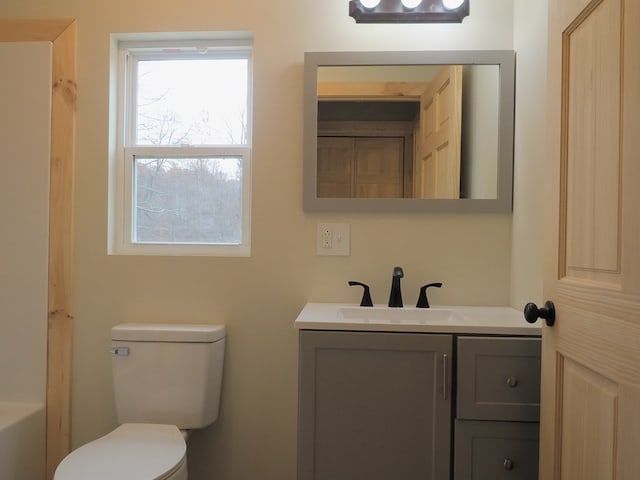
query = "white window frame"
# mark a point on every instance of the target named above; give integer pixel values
(121, 191)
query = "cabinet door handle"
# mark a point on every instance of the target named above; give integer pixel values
(445, 361)
(508, 464)
(512, 382)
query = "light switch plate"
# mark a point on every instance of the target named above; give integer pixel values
(333, 239)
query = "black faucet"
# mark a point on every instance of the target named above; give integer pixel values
(395, 298)
(366, 295)
(423, 302)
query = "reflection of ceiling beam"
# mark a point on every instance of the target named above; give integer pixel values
(375, 90)
(369, 111)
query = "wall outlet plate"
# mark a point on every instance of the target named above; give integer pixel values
(333, 239)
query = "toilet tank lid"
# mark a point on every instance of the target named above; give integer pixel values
(162, 332)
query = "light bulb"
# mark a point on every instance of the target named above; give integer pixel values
(452, 4)
(411, 3)
(369, 3)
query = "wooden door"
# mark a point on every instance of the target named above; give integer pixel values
(439, 136)
(590, 411)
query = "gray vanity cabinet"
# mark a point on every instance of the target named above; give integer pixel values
(497, 412)
(374, 406)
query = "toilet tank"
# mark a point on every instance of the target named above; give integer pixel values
(169, 374)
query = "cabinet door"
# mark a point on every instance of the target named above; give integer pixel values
(379, 167)
(335, 167)
(361, 167)
(374, 406)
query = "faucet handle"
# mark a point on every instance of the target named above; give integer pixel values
(422, 298)
(366, 296)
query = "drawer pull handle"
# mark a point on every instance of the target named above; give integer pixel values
(508, 464)
(445, 360)
(512, 382)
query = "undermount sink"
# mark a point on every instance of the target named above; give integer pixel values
(406, 315)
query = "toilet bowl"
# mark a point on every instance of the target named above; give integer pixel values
(132, 451)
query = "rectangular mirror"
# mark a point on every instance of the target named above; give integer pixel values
(408, 131)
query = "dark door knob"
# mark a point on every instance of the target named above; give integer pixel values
(548, 313)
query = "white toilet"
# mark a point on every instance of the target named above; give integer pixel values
(167, 380)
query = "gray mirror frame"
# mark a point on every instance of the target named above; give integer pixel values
(502, 204)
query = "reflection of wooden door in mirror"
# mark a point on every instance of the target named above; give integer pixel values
(379, 167)
(438, 137)
(362, 167)
(335, 167)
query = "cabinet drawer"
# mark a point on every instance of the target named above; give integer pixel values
(496, 450)
(498, 378)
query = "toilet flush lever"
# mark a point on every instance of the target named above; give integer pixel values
(121, 351)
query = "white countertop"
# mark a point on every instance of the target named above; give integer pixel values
(437, 319)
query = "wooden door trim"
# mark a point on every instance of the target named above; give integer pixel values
(62, 35)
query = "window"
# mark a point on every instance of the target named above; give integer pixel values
(182, 177)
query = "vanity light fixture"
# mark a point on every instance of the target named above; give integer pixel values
(408, 11)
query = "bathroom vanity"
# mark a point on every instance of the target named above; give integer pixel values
(408, 393)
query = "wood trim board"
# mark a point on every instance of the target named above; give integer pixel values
(62, 35)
